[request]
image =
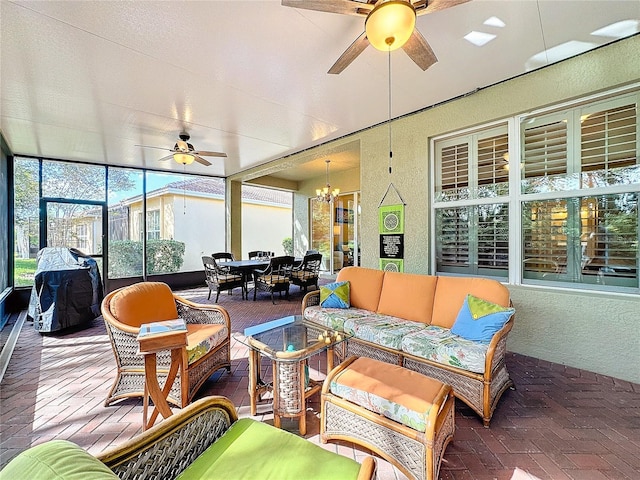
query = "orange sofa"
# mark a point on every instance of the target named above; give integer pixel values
(406, 319)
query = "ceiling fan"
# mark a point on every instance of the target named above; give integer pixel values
(389, 25)
(184, 153)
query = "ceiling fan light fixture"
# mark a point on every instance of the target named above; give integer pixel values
(183, 158)
(390, 24)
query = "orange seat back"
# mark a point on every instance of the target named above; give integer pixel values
(143, 302)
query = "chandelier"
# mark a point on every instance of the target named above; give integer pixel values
(326, 194)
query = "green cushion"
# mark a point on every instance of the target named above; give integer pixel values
(250, 449)
(57, 460)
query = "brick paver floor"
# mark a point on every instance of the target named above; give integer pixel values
(560, 422)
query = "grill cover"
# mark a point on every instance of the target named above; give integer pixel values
(67, 290)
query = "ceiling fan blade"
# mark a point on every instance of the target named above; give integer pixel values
(423, 6)
(419, 50)
(157, 148)
(346, 7)
(201, 160)
(350, 54)
(164, 159)
(203, 153)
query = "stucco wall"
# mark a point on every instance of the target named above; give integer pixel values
(264, 227)
(593, 331)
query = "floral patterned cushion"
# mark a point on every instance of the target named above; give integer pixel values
(440, 345)
(383, 330)
(333, 318)
(202, 338)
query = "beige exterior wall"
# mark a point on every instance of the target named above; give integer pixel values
(596, 331)
(264, 227)
(199, 222)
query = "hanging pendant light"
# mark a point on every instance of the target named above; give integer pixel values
(326, 194)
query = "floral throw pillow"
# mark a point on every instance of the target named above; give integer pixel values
(479, 320)
(335, 295)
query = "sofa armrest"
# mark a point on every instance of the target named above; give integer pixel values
(497, 349)
(166, 449)
(311, 299)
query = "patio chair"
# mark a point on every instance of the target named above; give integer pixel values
(222, 257)
(274, 278)
(307, 272)
(256, 254)
(221, 279)
(208, 335)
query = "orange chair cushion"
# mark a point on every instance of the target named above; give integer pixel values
(366, 285)
(408, 296)
(143, 302)
(451, 292)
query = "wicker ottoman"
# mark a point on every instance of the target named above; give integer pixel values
(405, 417)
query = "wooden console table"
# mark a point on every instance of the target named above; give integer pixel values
(153, 338)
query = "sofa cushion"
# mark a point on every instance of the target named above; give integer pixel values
(335, 295)
(451, 292)
(202, 338)
(366, 285)
(383, 330)
(440, 345)
(57, 460)
(143, 302)
(247, 449)
(397, 393)
(333, 318)
(479, 320)
(407, 296)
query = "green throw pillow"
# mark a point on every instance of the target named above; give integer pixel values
(479, 320)
(57, 460)
(335, 295)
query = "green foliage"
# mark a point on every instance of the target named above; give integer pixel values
(24, 271)
(163, 256)
(287, 244)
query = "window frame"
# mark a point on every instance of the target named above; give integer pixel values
(516, 197)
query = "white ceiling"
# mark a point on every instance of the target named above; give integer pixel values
(88, 80)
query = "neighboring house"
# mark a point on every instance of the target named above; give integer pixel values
(193, 211)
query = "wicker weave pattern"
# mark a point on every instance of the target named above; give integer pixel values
(289, 401)
(391, 445)
(172, 455)
(362, 349)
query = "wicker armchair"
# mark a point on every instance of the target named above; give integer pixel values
(307, 273)
(274, 278)
(221, 279)
(208, 335)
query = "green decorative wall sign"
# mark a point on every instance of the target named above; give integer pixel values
(391, 219)
(391, 265)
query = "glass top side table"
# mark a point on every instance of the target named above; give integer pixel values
(288, 342)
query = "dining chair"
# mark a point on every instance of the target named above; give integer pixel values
(221, 279)
(307, 272)
(258, 254)
(274, 278)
